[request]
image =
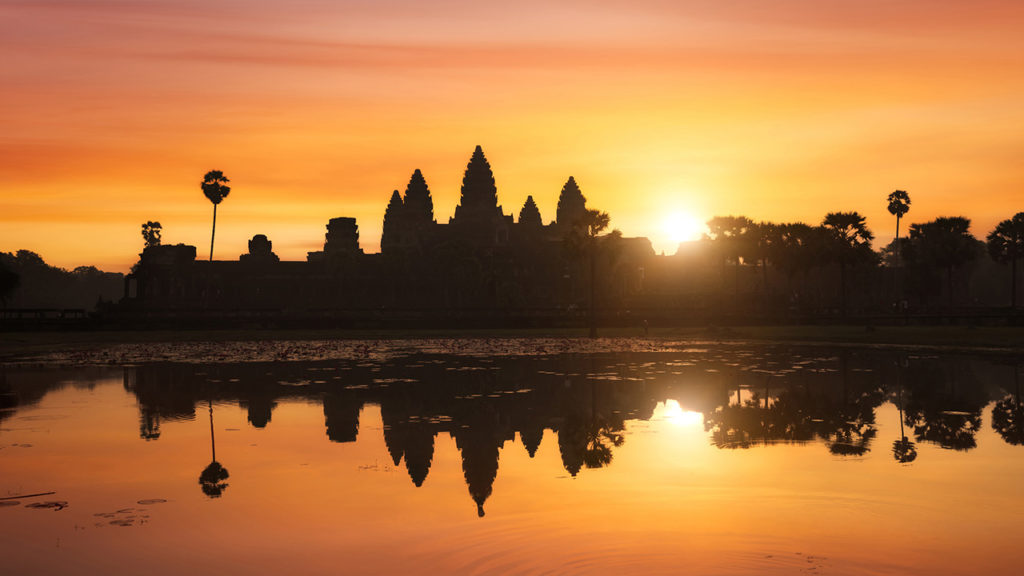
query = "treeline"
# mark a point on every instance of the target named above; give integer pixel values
(833, 267)
(26, 281)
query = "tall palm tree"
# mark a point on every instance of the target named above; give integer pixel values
(594, 223)
(215, 189)
(849, 242)
(899, 204)
(1006, 244)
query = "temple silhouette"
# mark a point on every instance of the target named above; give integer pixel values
(480, 265)
(579, 405)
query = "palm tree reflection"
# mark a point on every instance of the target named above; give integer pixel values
(903, 450)
(601, 438)
(1008, 414)
(212, 479)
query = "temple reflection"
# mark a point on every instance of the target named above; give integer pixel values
(747, 399)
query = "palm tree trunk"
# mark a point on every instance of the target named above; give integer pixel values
(899, 388)
(899, 263)
(590, 316)
(213, 446)
(214, 233)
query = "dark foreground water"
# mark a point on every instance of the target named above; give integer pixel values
(700, 461)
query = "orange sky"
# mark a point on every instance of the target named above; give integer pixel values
(112, 110)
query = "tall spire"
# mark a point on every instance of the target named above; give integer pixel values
(419, 206)
(392, 223)
(530, 214)
(479, 193)
(572, 205)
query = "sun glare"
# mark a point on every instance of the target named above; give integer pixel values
(675, 414)
(683, 227)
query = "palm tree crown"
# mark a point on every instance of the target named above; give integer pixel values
(899, 203)
(214, 186)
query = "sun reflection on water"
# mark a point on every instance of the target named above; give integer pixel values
(671, 411)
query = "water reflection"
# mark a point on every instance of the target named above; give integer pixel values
(747, 399)
(212, 478)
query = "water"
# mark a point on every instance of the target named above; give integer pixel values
(700, 461)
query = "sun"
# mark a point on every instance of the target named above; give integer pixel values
(683, 227)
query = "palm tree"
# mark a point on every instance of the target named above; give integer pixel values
(215, 189)
(793, 249)
(583, 236)
(731, 235)
(945, 242)
(1006, 244)
(850, 242)
(899, 204)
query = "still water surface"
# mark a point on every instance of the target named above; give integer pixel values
(700, 461)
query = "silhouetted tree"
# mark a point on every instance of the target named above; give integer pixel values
(583, 239)
(9, 281)
(731, 237)
(151, 233)
(530, 214)
(215, 189)
(899, 204)
(39, 285)
(945, 243)
(1006, 245)
(849, 242)
(791, 249)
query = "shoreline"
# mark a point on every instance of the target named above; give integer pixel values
(49, 347)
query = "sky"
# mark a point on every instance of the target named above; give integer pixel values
(665, 112)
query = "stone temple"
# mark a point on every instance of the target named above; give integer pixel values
(482, 266)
